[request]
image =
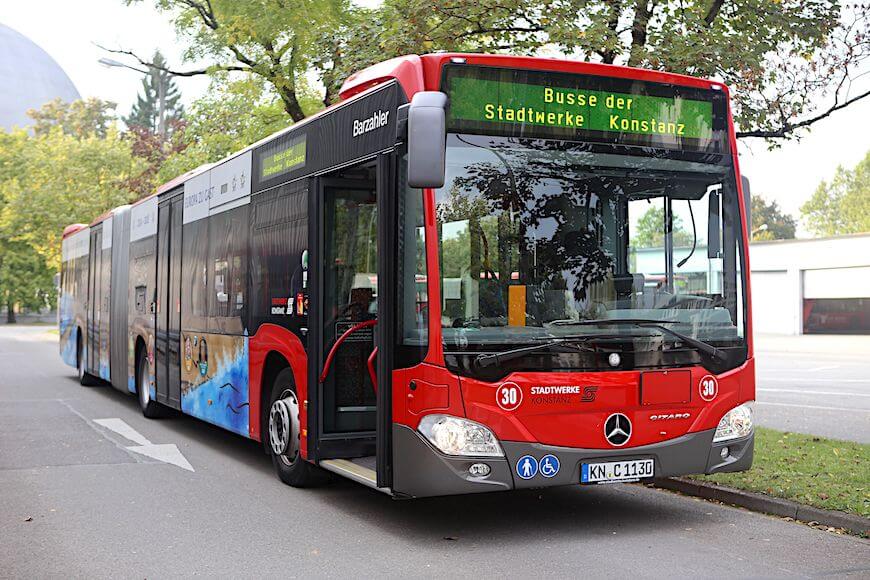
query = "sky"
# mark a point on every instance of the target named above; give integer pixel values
(70, 30)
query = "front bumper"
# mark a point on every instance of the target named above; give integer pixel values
(419, 470)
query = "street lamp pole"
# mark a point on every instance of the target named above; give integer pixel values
(161, 89)
(161, 103)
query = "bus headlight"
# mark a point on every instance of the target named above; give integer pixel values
(456, 436)
(735, 424)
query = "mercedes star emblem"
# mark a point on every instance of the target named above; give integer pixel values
(617, 429)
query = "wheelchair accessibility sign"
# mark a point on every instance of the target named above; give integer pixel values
(549, 466)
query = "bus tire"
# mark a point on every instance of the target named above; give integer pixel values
(283, 436)
(86, 379)
(150, 407)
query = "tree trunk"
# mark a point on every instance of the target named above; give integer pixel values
(10, 313)
(291, 104)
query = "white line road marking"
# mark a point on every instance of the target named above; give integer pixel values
(121, 428)
(812, 407)
(165, 452)
(825, 368)
(802, 392)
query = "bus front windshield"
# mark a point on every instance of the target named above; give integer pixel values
(539, 237)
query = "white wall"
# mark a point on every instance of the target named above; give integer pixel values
(784, 272)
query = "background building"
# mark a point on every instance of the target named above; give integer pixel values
(29, 77)
(811, 286)
(819, 285)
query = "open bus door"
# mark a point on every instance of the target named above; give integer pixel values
(351, 308)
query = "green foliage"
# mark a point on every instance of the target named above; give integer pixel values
(232, 115)
(267, 39)
(650, 231)
(57, 177)
(81, 118)
(26, 280)
(812, 470)
(780, 58)
(146, 110)
(843, 205)
(769, 222)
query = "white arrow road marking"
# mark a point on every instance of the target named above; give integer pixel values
(121, 428)
(166, 452)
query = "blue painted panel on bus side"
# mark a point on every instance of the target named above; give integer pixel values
(66, 323)
(214, 385)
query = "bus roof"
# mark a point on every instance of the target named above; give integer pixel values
(73, 228)
(416, 73)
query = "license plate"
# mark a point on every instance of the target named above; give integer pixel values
(617, 471)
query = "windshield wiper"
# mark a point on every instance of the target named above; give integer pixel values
(488, 360)
(706, 348)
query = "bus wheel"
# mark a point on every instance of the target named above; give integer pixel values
(150, 407)
(284, 435)
(85, 378)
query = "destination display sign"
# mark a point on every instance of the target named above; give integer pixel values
(349, 131)
(523, 103)
(284, 158)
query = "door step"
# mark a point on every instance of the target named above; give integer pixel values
(357, 470)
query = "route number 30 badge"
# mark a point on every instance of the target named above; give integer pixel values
(509, 396)
(708, 387)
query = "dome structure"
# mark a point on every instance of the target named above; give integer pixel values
(29, 77)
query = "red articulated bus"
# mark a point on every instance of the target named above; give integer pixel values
(461, 278)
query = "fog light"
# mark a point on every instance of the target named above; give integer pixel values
(479, 470)
(724, 453)
(614, 359)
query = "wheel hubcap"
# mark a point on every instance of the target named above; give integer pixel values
(284, 427)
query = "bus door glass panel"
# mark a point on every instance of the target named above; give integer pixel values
(105, 285)
(350, 261)
(94, 299)
(173, 305)
(162, 312)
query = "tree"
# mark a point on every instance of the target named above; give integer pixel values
(268, 39)
(769, 222)
(781, 58)
(650, 232)
(26, 281)
(58, 179)
(231, 116)
(80, 118)
(843, 205)
(146, 113)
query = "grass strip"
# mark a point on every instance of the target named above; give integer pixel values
(824, 473)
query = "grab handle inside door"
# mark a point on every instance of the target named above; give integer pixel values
(341, 339)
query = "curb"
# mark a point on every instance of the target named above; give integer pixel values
(765, 504)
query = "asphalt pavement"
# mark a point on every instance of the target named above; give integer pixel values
(816, 384)
(85, 492)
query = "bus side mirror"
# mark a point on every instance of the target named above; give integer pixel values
(747, 201)
(714, 234)
(427, 135)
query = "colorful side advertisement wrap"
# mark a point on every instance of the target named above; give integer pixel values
(576, 107)
(214, 379)
(74, 264)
